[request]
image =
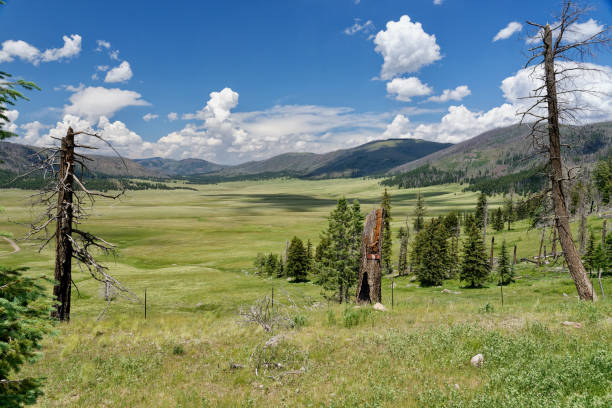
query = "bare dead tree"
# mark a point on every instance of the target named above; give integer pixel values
(555, 62)
(66, 202)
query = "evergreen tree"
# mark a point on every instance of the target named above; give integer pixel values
(24, 320)
(310, 255)
(259, 263)
(481, 210)
(271, 265)
(387, 243)
(509, 214)
(419, 214)
(506, 273)
(431, 249)
(607, 256)
(297, 260)
(589, 257)
(498, 219)
(451, 224)
(337, 256)
(402, 263)
(475, 266)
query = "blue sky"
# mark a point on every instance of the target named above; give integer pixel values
(292, 75)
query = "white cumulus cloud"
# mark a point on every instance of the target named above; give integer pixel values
(456, 94)
(172, 116)
(12, 49)
(506, 32)
(404, 89)
(93, 102)
(121, 73)
(405, 47)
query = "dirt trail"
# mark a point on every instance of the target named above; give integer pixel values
(13, 244)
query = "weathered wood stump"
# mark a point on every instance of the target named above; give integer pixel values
(370, 267)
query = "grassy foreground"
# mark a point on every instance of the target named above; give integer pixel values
(193, 252)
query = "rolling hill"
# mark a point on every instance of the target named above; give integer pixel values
(18, 158)
(170, 167)
(369, 159)
(509, 150)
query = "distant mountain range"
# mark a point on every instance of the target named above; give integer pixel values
(494, 153)
(371, 158)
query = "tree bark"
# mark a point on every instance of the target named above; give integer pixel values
(554, 243)
(63, 248)
(576, 268)
(514, 256)
(370, 267)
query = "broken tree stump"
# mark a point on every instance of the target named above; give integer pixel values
(370, 267)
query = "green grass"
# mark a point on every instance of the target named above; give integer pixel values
(193, 252)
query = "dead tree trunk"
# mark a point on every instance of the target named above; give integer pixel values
(576, 268)
(370, 267)
(514, 256)
(63, 248)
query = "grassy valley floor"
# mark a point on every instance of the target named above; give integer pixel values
(193, 252)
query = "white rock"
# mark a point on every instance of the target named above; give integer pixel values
(445, 291)
(477, 360)
(379, 307)
(572, 324)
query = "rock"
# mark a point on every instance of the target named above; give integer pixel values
(199, 304)
(234, 366)
(572, 324)
(477, 360)
(445, 291)
(379, 307)
(457, 386)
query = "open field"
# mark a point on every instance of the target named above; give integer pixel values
(193, 252)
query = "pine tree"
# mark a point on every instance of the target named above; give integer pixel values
(271, 265)
(589, 257)
(297, 260)
(607, 256)
(387, 243)
(419, 214)
(431, 247)
(506, 273)
(259, 263)
(337, 256)
(498, 219)
(509, 214)
(481, 211)
(24, 312)
(402, 263)
(475, 266)
(310, 255)
(451, 224)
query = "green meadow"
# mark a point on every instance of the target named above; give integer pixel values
(193, 252)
